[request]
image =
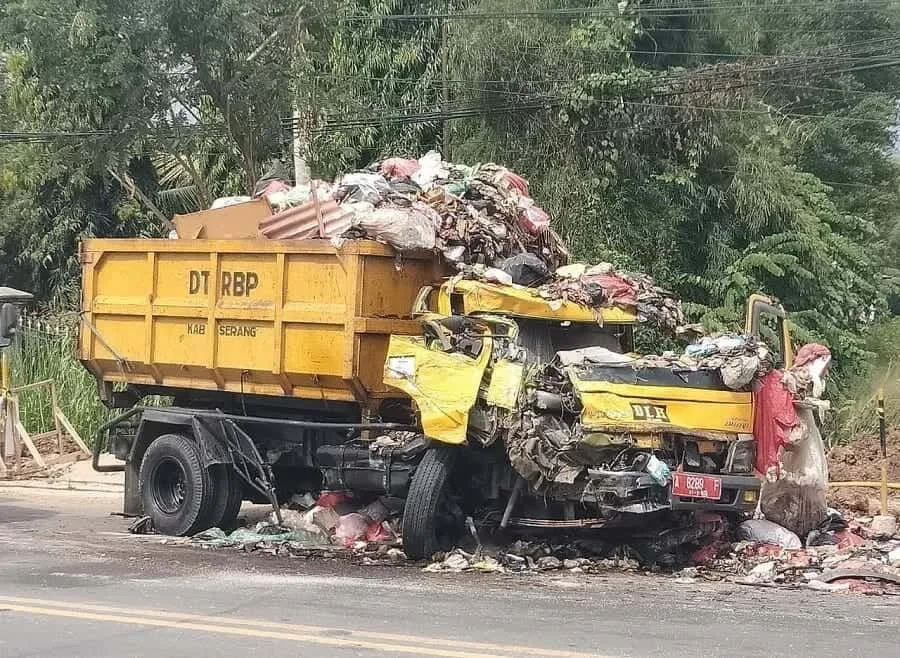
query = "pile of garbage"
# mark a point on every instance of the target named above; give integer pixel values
(602, 286)
(481, 218)
(740, 359)
(479, 214)
(841, 556)
(862, 555)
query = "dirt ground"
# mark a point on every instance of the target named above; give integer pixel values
(861, 460)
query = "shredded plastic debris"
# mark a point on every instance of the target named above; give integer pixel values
(864, 565)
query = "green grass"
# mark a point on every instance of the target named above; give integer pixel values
(857, 415)
(49, 353)
(855, 410)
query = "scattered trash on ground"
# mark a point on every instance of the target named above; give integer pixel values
(768, 556)
(141, 526)
(330, 525)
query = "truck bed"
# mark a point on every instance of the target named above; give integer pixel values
(295, 318)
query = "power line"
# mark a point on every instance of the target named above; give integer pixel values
(548, 101)
(581, 12)
(170, 133)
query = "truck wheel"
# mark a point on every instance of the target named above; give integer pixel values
(228, 496)
(176, 490)
(430, 522)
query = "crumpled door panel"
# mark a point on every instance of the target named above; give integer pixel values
(444, 385)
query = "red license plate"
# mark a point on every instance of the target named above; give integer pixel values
(694, 485)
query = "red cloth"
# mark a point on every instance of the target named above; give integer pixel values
(773, 419)
(847, 539)
(809, 353)
(513, 181)
(534, 220)
(617, 291)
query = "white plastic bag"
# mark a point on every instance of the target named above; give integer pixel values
(431, 168)
(405, 229)
(225, 201)
(362, 186)
(796, 500)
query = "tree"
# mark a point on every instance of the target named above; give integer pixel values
(117, 88)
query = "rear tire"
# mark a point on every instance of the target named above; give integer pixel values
(176, 491)
(428, 520)
(228, 496)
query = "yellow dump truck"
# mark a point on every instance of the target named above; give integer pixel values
(295, 367)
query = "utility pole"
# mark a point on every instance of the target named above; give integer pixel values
(302, 115)
(300, 132)
(445, 81)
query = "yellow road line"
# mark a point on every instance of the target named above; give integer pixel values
(388, 642)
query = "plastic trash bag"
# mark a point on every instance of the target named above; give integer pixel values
(351, 528)
(512, 181)
(739, 371)
(399, 168)
(494, 275)
(300, 522)
(764, 531)
(361, 186)
(525, 269)
(405, 229)
(658, 470)
(532, 217)
(295, 196)
(431, 168)
(797, 499)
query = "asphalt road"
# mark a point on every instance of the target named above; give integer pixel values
(74, 583)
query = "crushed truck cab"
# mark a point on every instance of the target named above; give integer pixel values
(572, 432)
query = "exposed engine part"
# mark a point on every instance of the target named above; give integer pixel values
(484, 424)
(551, 523)
(691, 454)
(511, 503)
(622, 484)
(356, 466)
(541, 449)
(547, 401)
(741, 455)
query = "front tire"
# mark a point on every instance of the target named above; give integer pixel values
(176, 491)
(431, 522)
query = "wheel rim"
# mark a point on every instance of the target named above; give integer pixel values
(169, 486)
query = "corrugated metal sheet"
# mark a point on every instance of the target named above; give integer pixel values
(303, 221)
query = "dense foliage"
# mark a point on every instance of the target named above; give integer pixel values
(725, 146)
